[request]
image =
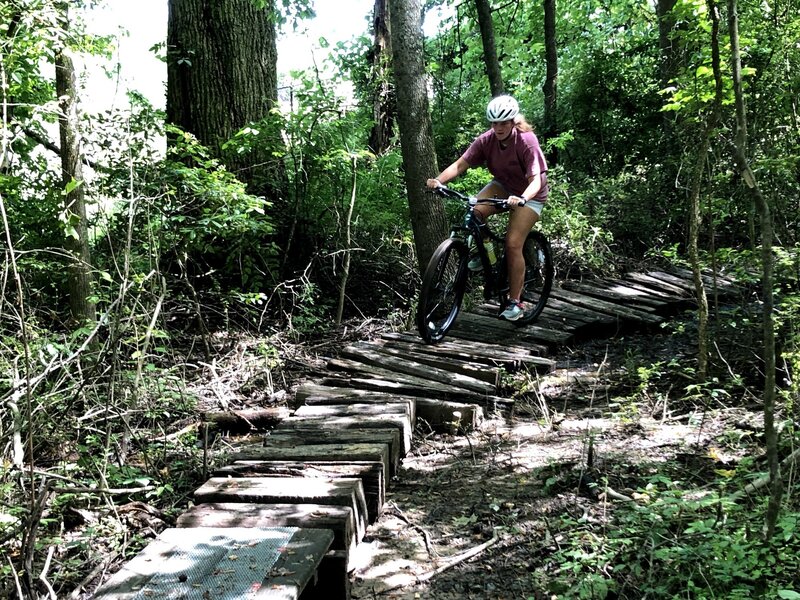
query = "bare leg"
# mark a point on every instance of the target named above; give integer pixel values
(490, 190)
(520, 223)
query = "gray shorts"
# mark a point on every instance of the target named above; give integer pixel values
(534, 205)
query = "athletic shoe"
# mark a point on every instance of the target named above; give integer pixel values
(514, 310)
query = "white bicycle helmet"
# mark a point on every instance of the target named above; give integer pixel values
(502, 108)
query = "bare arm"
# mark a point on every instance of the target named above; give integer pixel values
(534, 185)
(450, 173)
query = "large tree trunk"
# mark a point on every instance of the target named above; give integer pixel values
(489, 51)
(740, 157)
(550, 87)
(383, 104)
(428, 220)
(222, 76)
(77, 240)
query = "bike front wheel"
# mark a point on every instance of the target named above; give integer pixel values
(443, 286)
(538, 277)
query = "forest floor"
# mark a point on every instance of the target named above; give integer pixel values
(491, 514)
(482, 515)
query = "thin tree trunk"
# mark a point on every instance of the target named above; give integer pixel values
(347, 241)
(489, 51)
(383, 104)
(428, 219)
(716, 67)
(550, 87)
(695, 220)
(77, 240)
(740, 157)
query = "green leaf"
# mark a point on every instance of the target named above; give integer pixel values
(72, 185)
(788, 594)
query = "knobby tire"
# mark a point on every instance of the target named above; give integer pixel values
(443, 286)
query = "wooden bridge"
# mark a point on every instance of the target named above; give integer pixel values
(281, 519)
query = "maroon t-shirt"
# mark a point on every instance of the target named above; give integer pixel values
(513, 165)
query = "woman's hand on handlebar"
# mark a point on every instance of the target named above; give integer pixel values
(433, 183)
(515, 201)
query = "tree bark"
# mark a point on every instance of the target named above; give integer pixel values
(222, 76)
(348, 224)
(384, 105)
(666, 29)
(489, 51)
(740, 157)
(428, 219)
(76, 243)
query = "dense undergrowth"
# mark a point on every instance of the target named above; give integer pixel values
(117, 458)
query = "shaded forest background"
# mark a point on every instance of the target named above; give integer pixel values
(276, 216)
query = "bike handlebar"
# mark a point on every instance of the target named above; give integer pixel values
(446, 192)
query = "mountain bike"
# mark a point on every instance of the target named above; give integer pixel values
(446, 276)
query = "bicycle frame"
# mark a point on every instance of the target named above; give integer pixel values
(445, 279)
(472, 227)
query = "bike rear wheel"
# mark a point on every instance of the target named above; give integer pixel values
(443, 286)
(538, 277)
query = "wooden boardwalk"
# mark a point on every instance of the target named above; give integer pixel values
(282, 517)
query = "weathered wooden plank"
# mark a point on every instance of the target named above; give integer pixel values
(246, 419)
(313, 394)
(333, 581)
(555, 319)
(371, 475)
(495, 336)
(490, 375)
(686, 285)
(659, 284)
(263, 564)
(582, 313)
(725, 284)
(477, 347)
(510, 330)
(356, 416)
(551, 319)
(628, 314)
(346, 430)
(288, 490)
(406, 385)
(399, 444)
(611, 292)
(439, 414)
(318, 453)
(424, 390)
(409, 367)
(338, 519)
(449, 416)
(659, 293)
(486, 354)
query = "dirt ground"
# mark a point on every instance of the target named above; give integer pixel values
(471, 516)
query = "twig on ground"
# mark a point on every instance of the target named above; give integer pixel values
(17, 583)
(763, 481)
(615, 495)
(456, 560)
(423, 532)
(98, 570)
(110, 491)
(43, 575)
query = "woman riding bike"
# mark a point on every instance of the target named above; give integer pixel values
(511, 152)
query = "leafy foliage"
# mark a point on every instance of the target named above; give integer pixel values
(675, 542)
